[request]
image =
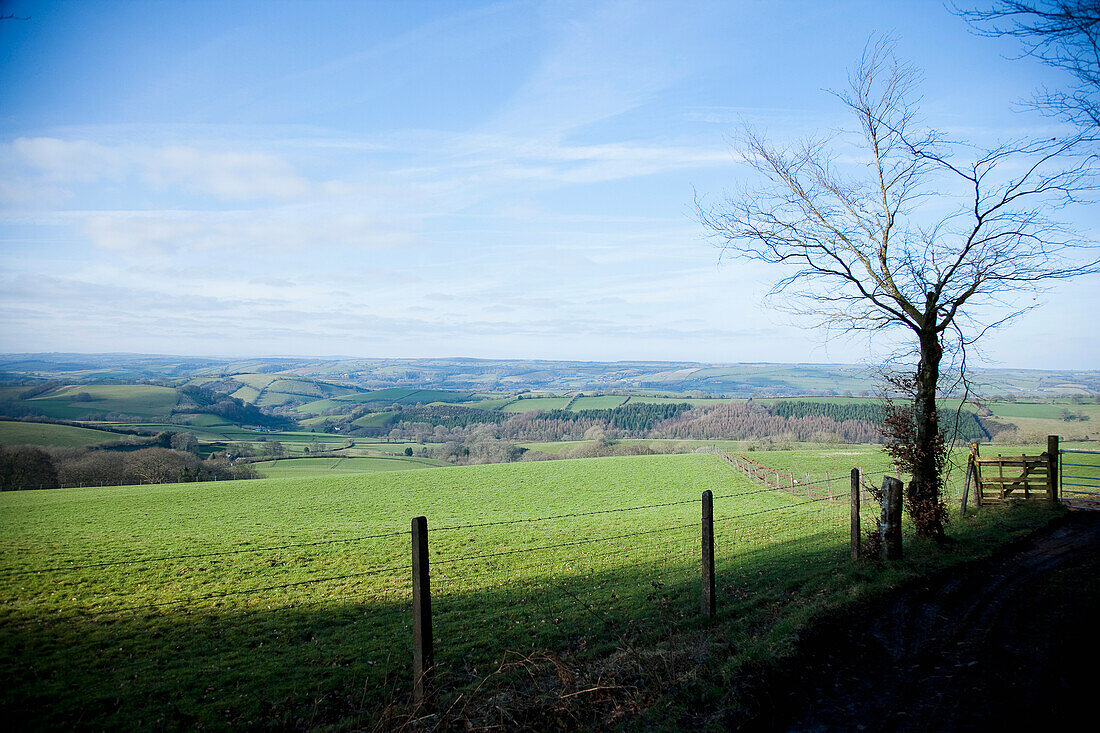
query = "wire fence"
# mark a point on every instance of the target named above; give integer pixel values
(556, 581)
(824, 485)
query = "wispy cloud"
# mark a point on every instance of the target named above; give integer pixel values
(228, 176)
(243, 232)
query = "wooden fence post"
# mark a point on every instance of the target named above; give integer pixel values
(707, 602)
(977, 476)
(423, 651)
(970, 476)
(966, 484)
(889, 526)
(1053, 458)
(855, 513)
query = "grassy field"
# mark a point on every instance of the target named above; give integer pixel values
(493, 403)
(1034, 420)
(284, 602)
(372, 419)
(246, 393)
(203, 420)
(679, 400)
(77, 401)
(316, 467)
(536, 403)
(274, 399)
(33, 433)
(298, 387)
(601, 402)
(256, 381)
(262, 654)
(319, 406)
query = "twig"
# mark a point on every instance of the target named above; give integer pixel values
(593, 689)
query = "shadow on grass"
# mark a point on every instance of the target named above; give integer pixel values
(572, 648)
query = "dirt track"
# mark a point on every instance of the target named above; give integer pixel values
(1006, 643)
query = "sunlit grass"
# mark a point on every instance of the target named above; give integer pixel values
(285, 602)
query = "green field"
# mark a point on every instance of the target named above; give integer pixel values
(536, 403)
(373, 419)
(1047, 410)
(601, 402)
(246, 393)
(311, 467)
(35, 433)
(299, 387)
(75, 402)
(274, 399)
(203, 420)
(284, 602)
(555, 447)
(319, 406)
(492, 403)
(389, 396)
(261, 656)
(256, 381)
(679, 400)
(1034, 420)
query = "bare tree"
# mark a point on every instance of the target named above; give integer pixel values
(1064, 34)
(906, 230)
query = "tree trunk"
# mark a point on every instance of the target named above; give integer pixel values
(925, 504)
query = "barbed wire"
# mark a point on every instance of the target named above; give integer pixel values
(659, 547)
(374, 571)
(561, 544)
(780, 508)
(591, 513)
(562, 516)
(363, 538)
(745, 493)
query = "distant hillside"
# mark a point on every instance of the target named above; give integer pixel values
(280, 381)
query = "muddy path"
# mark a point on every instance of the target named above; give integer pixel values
(1008, 642)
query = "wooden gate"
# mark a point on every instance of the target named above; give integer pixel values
(1001, 478)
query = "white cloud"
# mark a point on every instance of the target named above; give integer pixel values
(279, 231)
(70, 160)
(228, 176)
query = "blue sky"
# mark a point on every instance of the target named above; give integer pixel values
(418, 179)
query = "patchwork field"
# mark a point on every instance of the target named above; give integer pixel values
(284, 602)
(76, 402)
(32, 433)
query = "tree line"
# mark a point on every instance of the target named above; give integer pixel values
(963, 424)
(170, 459)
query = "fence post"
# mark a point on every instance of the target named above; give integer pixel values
(977, 476)
(889, 526)
(1053, 460)
(969, 477)
(707, 601)
(423, 652)
(855, 513)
